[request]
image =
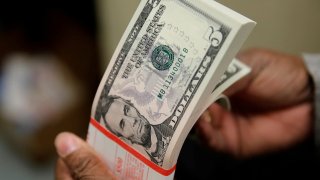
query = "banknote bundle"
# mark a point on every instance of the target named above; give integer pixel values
(175, 58)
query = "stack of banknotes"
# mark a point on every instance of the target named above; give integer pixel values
(175, 58)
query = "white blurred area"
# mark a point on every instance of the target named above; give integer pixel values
(36, 88)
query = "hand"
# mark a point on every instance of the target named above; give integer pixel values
(77, 160)
(271, 107)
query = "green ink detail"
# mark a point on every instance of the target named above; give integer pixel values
(162, 57)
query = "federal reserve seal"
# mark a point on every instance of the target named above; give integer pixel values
(162, 57)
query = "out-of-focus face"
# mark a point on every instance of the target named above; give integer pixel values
(125, 120)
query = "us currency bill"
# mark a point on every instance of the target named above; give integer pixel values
(234, 73)
(169, 58)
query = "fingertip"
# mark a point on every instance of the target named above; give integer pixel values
(206, 116)
(66, 143)
(215, 107)
(216, 114)
(204, 127)
(202, 123)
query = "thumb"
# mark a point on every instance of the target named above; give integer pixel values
(79, 159)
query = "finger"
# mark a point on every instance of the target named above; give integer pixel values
(210, 135)
(212, 115)
(209, 127)
(81, 160)
(62, 172)
(274, 131)
(277, 79)
(245, 136)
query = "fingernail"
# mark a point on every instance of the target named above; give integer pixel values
(66, 143)
(206, 116)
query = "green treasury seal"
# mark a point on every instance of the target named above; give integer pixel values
(162, 57)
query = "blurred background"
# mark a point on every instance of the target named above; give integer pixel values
(49, 75)
(54, 53)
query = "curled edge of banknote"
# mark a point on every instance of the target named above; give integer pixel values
(241, 28)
